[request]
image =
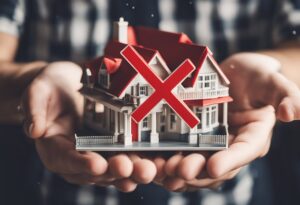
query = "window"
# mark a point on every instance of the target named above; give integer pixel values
(173, 119)
(103, 78)
(199, 115)
(144, 90)
(213, 115)
(207, 117)
(162, 122)
(207, 81)
(145, 123)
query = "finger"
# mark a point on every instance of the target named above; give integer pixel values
(284, 95)
(172, 163)
(191, 166)
(144, 170)
(35, 103)
(120, 166)
(289, 109)
(80, 179)
(210, 182)
(160, 165)
(125, 185)
(244, 117)
(174, 183)
(86, 179)
(248, 145)
(59, 155)
(214, 186)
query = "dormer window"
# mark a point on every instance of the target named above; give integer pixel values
(103, 79)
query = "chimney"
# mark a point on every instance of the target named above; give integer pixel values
(120, 31)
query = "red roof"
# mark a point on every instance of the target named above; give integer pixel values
(111, 64)
(122, 75)
(174, 48)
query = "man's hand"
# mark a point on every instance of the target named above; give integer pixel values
(53, 110)
(260, 95)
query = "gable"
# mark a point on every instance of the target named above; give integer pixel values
(159, 67)
(207, 67)
(210, 66)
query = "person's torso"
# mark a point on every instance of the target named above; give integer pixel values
(79, 29)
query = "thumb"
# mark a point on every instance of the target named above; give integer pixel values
(289, 109)
(35, 103)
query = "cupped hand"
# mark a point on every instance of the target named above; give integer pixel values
(53, 110)
(261, 95)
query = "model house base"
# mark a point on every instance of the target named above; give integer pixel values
(215, 140)
(146, 146)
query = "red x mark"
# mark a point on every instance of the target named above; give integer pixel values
(163, 89)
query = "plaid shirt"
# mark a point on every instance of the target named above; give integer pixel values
(79, 29)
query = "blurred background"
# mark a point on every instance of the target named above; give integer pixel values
(77, 30)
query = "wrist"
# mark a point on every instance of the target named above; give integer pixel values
(14, 78)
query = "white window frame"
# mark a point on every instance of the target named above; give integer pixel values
(205, 81)
(143, 90)
(214, 115)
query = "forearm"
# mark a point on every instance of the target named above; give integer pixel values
(14, 79)
(288, 55)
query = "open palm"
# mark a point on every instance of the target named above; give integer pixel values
(53, 110)
(260, 95)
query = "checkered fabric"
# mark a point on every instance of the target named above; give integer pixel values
(79, 29)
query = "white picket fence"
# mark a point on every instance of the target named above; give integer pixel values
(212, 139)
(84, 141)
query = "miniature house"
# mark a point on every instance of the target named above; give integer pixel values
(113, 90)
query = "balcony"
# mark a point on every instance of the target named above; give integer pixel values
(203, 94)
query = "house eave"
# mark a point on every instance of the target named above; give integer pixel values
(106, 99)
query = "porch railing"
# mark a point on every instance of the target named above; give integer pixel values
(203, 94)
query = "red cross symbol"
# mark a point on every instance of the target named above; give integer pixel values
(163, 88)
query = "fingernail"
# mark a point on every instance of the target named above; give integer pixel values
(30, 129)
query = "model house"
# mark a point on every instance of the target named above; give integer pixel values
(154, 90)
